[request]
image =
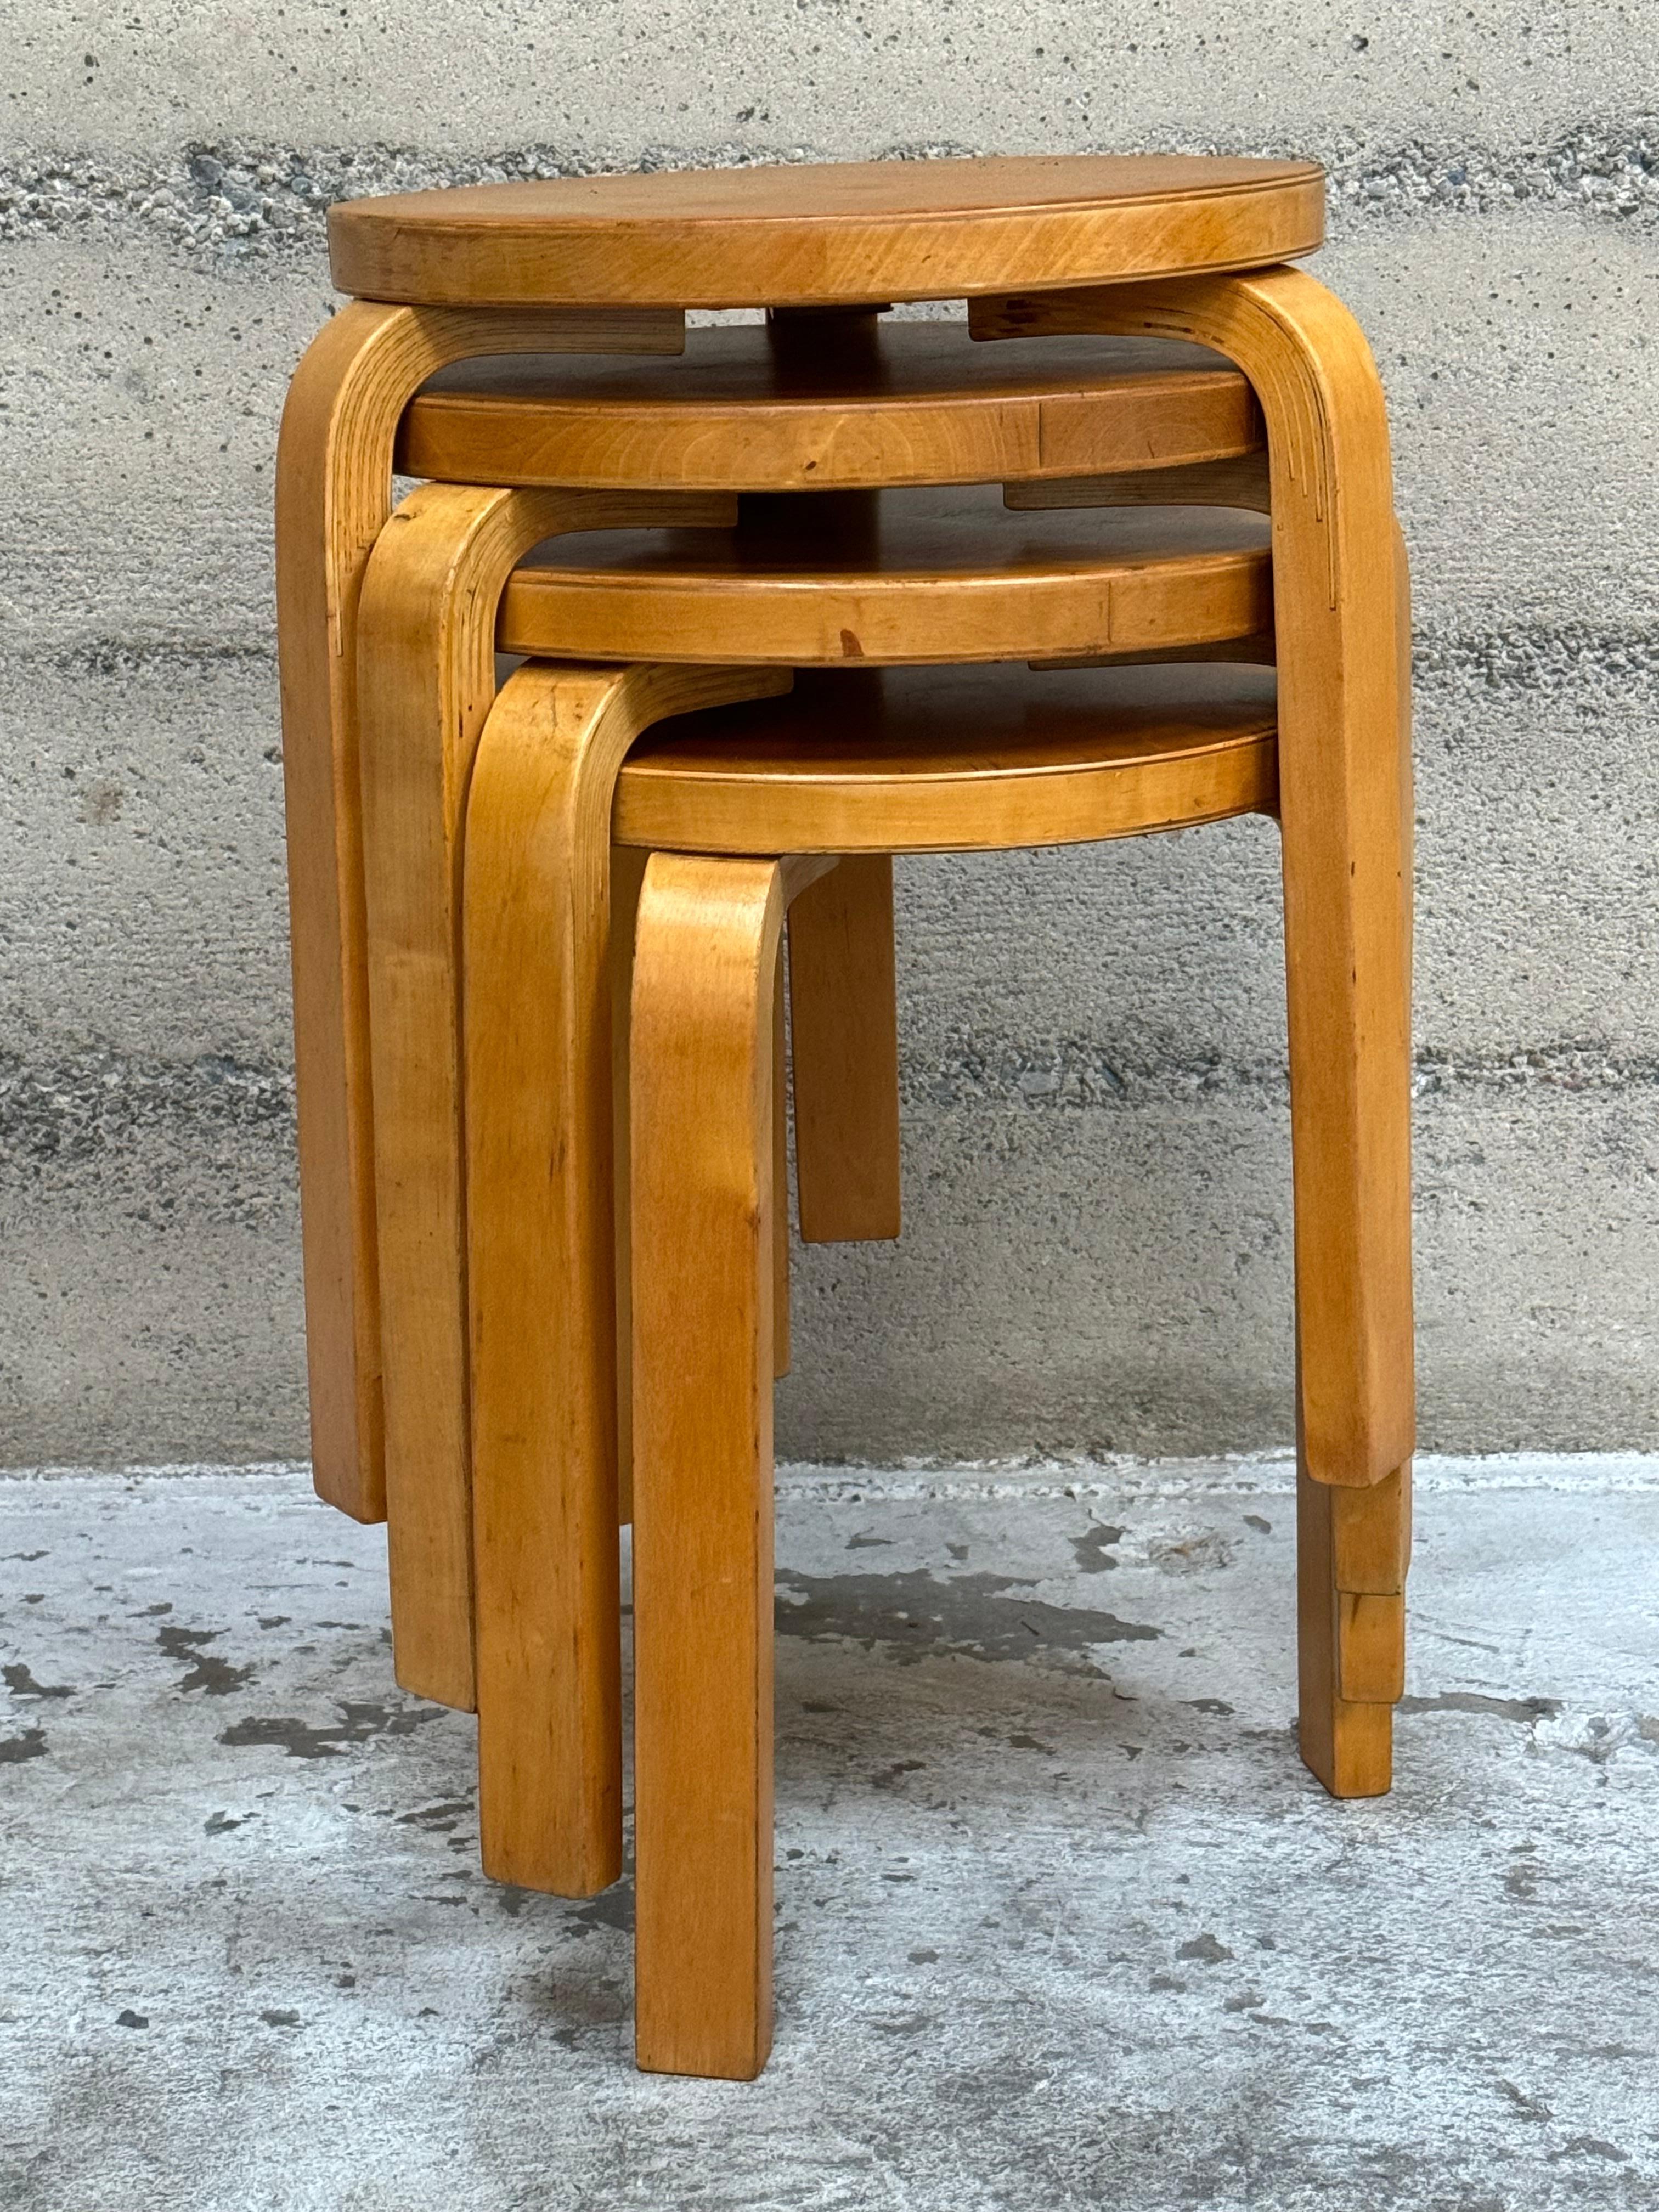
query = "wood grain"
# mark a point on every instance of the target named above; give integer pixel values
(832, 232)
(1344, 807)
(855, 401)
(1235, 483)
(540, 1254)
(1354, 1549)
(953, 760)
(426, 624)
(333, 495)
(844, 1019)
(950, 575)
(627, 874)
(704, 984)
(1342, 620)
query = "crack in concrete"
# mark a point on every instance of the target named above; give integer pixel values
(170, 657)
(21, 1684)
(215, 1676)
(359, 1723)
(235, 199)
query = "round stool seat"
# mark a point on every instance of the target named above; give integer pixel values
(956, 760)
(929, 575)
(826, 233)
(879, 403)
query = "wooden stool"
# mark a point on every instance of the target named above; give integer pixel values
(947, 574)
(952, 576)
(851, 765)
(388, 642)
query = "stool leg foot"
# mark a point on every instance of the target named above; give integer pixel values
(704, 979)
(1352, 1551)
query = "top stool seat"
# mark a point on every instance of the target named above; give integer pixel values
(826, 234)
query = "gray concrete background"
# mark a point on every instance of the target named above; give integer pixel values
(1097, 1251)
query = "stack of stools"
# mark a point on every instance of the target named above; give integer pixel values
(1115, 555)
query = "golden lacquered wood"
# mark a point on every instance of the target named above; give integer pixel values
(856, 400)
(333, 495)
(427, 619)
(540, 1253)
(772, 236)
(1241, 482)
(705, 1198)
(954, 760)
(1341, 623)
(942, 574)
(843, 1018)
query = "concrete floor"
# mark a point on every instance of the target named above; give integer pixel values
(1061, 1921)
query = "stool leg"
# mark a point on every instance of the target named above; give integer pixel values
(426, 634)
(1343, 802)
(1353, 1545)
(540, 1260)
(333, 497)
(704, 978)
(844, 1025)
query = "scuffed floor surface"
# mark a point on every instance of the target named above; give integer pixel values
(1061, 1921)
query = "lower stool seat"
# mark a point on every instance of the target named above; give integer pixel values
(844, 399)
(955, 759)
(923, 574)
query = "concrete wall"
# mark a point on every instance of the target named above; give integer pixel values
(1098, 1249)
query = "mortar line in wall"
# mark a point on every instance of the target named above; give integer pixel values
(1526, 656)
(238, 199)
(1256, 1474)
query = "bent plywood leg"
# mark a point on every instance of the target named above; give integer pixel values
(704, 982)
(1354, 1545)
(844, 1024)
(333, 495)
(705, 964)
(540, 1254)
(1343, 811)
(427, 646)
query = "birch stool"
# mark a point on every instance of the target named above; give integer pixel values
(848, 766)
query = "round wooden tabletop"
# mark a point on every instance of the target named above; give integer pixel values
(881, 403)
(955, 759)
(940, 574)
(802, 233)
